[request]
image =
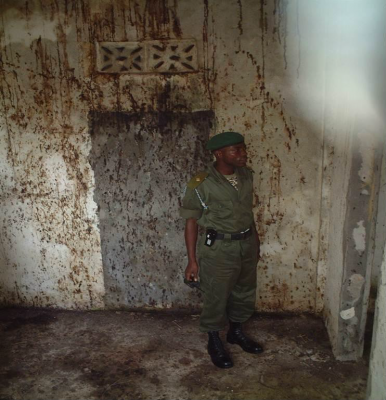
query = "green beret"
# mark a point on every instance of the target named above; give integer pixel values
(224, 139)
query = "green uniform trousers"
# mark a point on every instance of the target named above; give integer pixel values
(228, 280)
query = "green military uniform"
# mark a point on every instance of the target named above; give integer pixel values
(228, 268)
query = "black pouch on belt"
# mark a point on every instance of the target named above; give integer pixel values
(210, 237)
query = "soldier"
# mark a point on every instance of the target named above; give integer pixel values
(220, 200)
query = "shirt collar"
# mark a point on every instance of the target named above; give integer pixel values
(220, 177)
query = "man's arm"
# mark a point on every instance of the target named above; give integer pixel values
(191, 233)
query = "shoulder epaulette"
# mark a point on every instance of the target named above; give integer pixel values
(197, 180)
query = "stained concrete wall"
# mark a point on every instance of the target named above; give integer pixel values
(376, 388)
(262, 70)
(250, 60)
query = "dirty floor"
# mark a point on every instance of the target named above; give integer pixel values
(46, 354)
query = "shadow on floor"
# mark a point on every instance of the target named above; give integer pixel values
(50, 354)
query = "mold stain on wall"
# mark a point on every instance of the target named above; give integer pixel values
(141, 163)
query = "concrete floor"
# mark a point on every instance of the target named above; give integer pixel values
(48, 354)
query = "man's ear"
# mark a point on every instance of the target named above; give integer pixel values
(217, 154)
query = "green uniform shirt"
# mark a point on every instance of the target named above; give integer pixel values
(228, 210)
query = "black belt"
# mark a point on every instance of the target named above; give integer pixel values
(234, 236)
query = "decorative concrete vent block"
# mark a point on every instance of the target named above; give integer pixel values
(120, 57)
(172, 57)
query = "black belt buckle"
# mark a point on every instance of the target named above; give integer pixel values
(210, 237)
(241, 236)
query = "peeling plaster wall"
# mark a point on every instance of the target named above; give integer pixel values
(256, 60)
(380, 233)
(359, 242)
(376, 387)
(354, 140)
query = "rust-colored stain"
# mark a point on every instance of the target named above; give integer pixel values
(160, 19)
(280, 27)
(58, 91)
(281, 295)
(209, 58)
(240, 23)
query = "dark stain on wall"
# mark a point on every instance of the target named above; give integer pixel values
(142, 163)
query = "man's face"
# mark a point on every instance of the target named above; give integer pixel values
(235, 155)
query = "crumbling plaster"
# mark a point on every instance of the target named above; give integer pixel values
(376, 387)
(380, 231)
(354, 141)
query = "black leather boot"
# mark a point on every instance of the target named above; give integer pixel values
(236, 336)
(218, 354)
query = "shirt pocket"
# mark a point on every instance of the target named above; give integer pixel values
(222, 209)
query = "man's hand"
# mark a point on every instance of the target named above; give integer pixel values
(191, 271)
(191, 232)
